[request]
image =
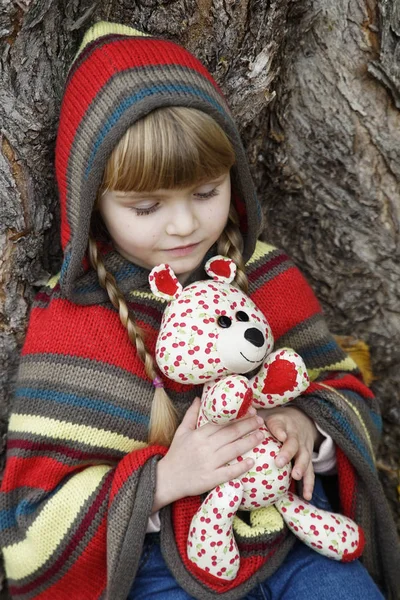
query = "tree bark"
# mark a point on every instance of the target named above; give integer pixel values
(315, 88)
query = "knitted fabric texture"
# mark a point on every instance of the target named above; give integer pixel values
(79, 481)
(119, 76)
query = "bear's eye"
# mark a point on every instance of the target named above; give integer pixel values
(242, 316)
(224, 322)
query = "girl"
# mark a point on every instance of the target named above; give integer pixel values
(100, 483)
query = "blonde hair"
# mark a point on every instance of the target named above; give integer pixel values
(173, 147)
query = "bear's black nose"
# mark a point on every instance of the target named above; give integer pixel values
(254, 336)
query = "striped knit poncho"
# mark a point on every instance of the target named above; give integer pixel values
(79, 481)
(78, 486)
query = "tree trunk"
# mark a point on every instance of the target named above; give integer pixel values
(315, 88)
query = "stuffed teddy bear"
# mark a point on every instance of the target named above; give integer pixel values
(212, 333)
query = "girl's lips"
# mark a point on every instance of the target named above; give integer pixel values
(182, 250)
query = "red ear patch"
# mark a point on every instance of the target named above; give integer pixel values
(166, 283)
(281, 377)
(221, 268)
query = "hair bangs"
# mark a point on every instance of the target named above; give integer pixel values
(172, 147)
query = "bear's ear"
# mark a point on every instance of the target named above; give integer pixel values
(163, 283)
(221, 268)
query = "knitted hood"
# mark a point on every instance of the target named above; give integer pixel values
(118, 76)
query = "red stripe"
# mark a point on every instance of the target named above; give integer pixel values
(74, 542)
(59, 449)
(268, 266)
(38, 472)
(86, 83)
(138, 308)
(299, 300)
(350, 382)
(347, 483)
(87, 578)
(130, 463)
(43, 296)
(64, 325)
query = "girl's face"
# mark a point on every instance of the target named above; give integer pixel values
(176, 227)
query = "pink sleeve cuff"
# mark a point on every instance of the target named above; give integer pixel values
(153, 524)
(324, 461)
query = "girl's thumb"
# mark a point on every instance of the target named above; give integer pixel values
(190, 418)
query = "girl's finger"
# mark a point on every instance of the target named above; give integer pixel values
(289, 449)
(226, 434)
(277, 427)
(302, 462)
(239, 447)
(229, 472)
(189, 420)
(308, 482)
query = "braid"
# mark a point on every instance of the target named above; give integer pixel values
(230, 244)
(163, 417)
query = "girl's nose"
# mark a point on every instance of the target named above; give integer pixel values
(182, 220)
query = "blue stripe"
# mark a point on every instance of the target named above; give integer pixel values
(127, 270)
(130, 100)
(319, 350)
(82, 402)
(345, 428)
(65, 265)
(9, 517)
(375, 417)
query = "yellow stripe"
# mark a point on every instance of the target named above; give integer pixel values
(52, 282)
(51, 526)
(147, 295)
(63, 430)
(103, 28)
(357, 413)
(347, 364)
(263, 520)
(262, 249)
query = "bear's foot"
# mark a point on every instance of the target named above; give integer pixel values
(328, 533)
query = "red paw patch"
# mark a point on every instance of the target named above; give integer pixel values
(281, 377)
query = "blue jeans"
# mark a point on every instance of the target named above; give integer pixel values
(304, 575)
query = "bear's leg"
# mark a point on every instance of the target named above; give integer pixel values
(328, 533)
(211, 544)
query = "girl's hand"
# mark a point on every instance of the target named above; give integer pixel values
(196, 460)
(299, 436)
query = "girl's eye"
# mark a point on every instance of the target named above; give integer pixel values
(144, 211)
(210, 194)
